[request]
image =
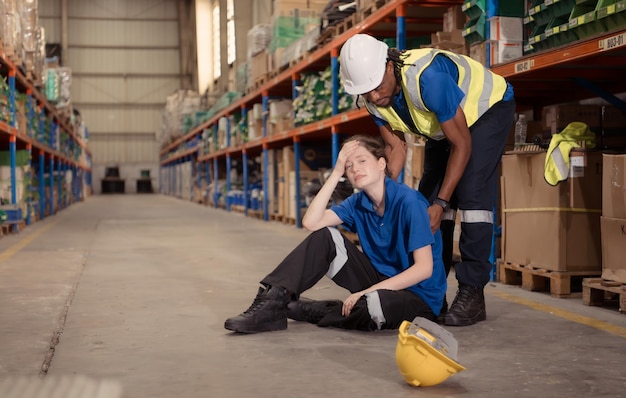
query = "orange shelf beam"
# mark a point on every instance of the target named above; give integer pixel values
(574, 51)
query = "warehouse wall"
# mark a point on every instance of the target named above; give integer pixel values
(126, 59)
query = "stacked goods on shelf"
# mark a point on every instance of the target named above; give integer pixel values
(299, 48)
(33, 37)
(494, 30)
(280, 116)
(314, 99)
(451, 38)
(255, 122)
(11, 29)
(178, 105)
(506, 35)
(257, 63)
(291, 20)
(5, 110)
(22, 183)
(554, 228)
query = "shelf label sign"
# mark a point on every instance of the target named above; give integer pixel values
(612, 42)
(524, 66)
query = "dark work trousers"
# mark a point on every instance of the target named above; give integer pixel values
(328, 252)
(474, 195)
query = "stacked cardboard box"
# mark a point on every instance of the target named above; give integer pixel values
(555, 228)
(451, 38)
(613, 221)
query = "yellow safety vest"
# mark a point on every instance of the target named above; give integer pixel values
(482, 90)
(557, 164)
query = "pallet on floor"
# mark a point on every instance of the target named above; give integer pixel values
(12, 227)
(255, 214)
(560, 284)
(602, 292)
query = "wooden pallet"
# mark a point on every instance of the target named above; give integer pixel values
(559, 283)
(7, 227)
(601, 292)
(345, 24)
(368, 9)
(255, 214)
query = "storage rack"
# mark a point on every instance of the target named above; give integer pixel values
(539, 79)
(50, 159)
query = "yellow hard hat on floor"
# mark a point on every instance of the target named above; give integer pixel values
(426, 353)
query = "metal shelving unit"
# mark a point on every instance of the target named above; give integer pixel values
(544, 78)
(46, 156)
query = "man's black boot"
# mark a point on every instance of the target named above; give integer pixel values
(267, 313)
(312, 311)
(467, 308)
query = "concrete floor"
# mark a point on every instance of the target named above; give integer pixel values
(135, 289)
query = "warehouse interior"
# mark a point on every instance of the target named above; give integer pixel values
(158, 157)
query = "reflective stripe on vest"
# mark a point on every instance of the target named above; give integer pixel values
(561, 165)
(482, 90)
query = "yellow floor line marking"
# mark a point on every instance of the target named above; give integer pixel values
(16, 247)
(570, 316)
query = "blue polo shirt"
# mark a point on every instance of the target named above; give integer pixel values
(389, 241)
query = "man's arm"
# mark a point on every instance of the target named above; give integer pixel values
(395, 149)
(458, 134)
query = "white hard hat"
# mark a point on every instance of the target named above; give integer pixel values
(362, 63)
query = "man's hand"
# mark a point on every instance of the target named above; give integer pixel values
(434, 213)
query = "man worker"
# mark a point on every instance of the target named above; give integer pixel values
(465, 112)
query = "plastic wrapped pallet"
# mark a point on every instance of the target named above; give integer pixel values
(259, 38)
(291, 20)
(177, 105)
(29, 15)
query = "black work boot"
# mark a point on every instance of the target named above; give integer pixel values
(267, 313)
(467, 308)
(312, 311)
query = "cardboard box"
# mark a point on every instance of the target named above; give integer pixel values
(478, 52)
(454, 18)
(556, 117)
(552, 228)
(501, 51)
(260, 65)
(508, 29)
(613, 249)
(614, 186)
(305, 176)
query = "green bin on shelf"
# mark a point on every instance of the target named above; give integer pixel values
(585, 24)
(612, 15)
(474, 9)
(474, 30)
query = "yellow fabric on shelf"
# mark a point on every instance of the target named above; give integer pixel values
(557, 164)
